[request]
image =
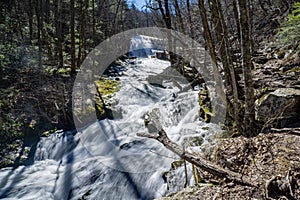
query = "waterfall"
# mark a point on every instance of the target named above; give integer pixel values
(106, 160)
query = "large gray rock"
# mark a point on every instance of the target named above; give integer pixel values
(280, 108)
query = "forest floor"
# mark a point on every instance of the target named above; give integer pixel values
(270, 160)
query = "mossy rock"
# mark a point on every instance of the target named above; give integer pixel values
(205, 111)
(107, 86)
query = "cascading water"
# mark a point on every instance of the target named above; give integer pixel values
(106, 160)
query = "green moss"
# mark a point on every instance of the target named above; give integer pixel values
(47, 133)
(105, 91)
(64, 71)
(106, 88)
(289, 30)
(205, 105)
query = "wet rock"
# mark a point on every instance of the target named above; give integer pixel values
(127, 146)
(155, 81)
(280, 108)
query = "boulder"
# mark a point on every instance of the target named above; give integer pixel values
(280, 108)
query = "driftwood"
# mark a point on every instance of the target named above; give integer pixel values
(157, 132)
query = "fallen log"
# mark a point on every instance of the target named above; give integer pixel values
(158, 133)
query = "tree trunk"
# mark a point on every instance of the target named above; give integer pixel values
(39, 27)
(226, 57)
(94, 22)
(59, 35)
(190, 21)
(30, 20)
(73, 63)
(237, 21)
(47, 42)
(47, 11)
(247, 72)
(179, 16)
(1, 76)
(115, 20)
(165, 12)
(207, 32)
(217, 84)
(81, 49)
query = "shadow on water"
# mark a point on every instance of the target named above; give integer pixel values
(133, 186)
(63, 185)
(147, 93)
(137, 192)
(108, 128)
(65, 192)
(31, 140)
(114, 70)
(5, 192)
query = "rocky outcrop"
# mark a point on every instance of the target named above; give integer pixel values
(280, 108)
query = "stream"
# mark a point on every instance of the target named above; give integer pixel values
(106, 160)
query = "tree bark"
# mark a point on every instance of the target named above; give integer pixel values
(247, 72)
(179, 16)
(190, 21)
(1, 76)
(81, 49)
(47, 11)
(237, 21)
(30, 20)
(157, 132)
(207, 32)
(39, 28)
(94, 21)
(217, 82)
(73, 63)
(226, 57)
(165, 12)
(59, 36)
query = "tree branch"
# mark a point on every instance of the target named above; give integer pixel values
(205, 165)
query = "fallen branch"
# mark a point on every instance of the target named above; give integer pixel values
(161, 136)
(292, 131)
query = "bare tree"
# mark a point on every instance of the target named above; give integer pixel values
(72, 27)
(247, 66)
(190, 21)
(179, 16)
(226, 55)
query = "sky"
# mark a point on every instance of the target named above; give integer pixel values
(138, 3)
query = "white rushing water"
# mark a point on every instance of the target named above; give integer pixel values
(106, 160)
